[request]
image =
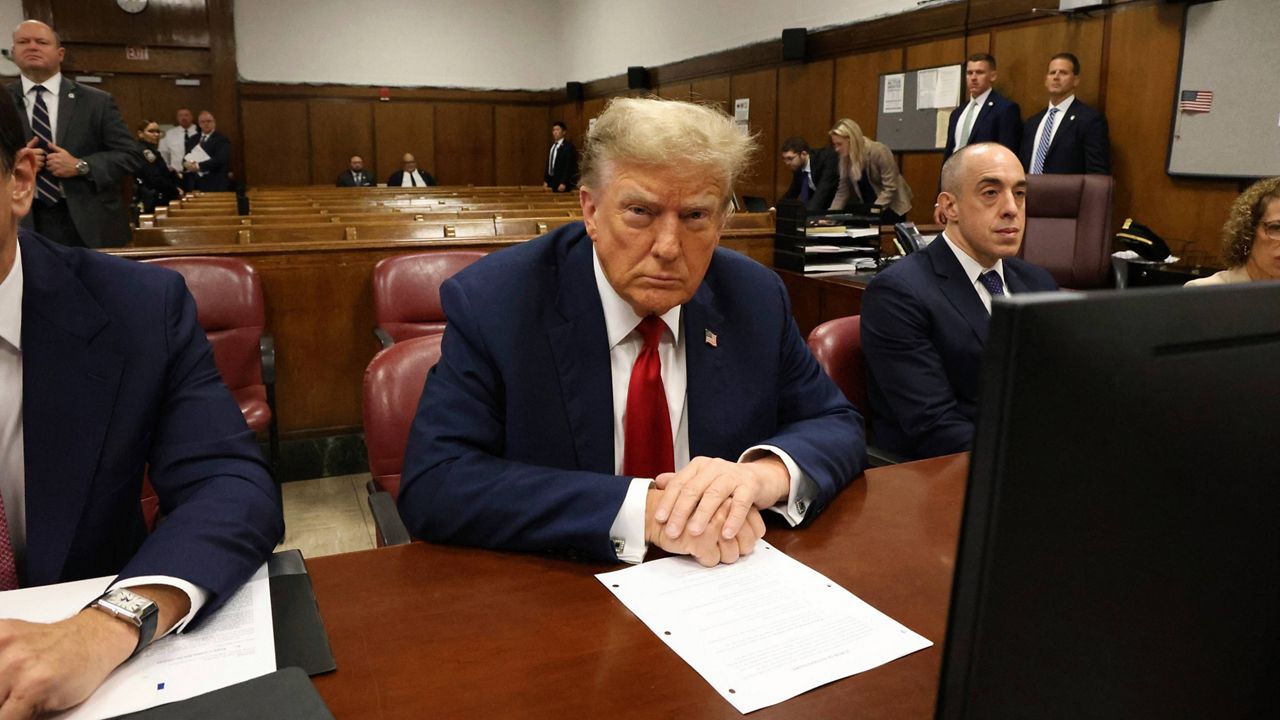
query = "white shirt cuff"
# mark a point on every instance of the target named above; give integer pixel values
(803, 490)
(627, 531)
(198, 595)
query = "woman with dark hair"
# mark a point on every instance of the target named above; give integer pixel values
(155, 184)
(1251, 237)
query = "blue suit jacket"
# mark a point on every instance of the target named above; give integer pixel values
(999, 121)
(1081, 145)
(119, 378)
(512, 446)
(923, 330)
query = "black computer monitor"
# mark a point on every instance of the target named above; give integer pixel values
(1120, 550)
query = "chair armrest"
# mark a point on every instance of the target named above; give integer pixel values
(267, 347)
(383, 337)
(386, 519)
(880, 458)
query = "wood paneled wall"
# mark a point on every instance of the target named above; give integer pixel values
(460, 137)
(1129, 57)
(305, 134)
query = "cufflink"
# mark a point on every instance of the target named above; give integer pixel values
(800, 507)
(619, 546)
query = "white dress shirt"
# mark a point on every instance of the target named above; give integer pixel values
(624, 347)
(53, 86)
(173, 146)
(1063, 107)
(13, 454)
(973, 269)
(551, 159)
(973, 108)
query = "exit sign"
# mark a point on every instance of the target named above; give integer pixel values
(136, 52)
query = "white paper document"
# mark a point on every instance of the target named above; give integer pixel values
(893, 86)
(233, 645)
(762, 630)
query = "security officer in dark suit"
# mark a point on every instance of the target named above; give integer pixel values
(82, 147)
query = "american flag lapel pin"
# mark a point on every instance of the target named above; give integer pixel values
(710, 337)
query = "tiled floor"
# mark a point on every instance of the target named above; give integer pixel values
(328, 515)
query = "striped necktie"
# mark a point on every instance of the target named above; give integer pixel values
(47, 188)
(1042, 150)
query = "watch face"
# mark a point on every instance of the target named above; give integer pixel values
(129, 602)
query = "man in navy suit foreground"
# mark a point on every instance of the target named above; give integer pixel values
(105, 375)
(621, 382)
(924, 320)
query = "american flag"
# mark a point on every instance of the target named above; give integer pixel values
(1196, 101)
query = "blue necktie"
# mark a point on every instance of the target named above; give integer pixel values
(992, 282)
(804, 187)
(1037, 165)
(47, 188)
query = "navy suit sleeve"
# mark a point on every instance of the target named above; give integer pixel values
(907, 369)
(1097, 147)
(219, 155)
(458, 487)
(222, 512)
(817, 426)
(1009, 127)
(952, 121)
(824, 183)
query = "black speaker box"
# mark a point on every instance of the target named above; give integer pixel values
(637, 78)
(573, 91)
(793, 41)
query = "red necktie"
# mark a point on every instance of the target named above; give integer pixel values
(8, 566)
(647, 450)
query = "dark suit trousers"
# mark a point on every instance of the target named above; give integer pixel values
(54, 222)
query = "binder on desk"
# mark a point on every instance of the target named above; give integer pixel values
(301, 640)
(282, 695)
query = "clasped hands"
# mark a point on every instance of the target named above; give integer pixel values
(711, 508)
(60, 162)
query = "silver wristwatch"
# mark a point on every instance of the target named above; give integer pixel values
(82, 167)
(133, 609)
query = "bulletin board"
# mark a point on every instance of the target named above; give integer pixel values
(1226, 106)
(914, 104)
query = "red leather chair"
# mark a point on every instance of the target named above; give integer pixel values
(392, 386)
(837, 346)
(1069, 228)
(228, 294)
(406, 292)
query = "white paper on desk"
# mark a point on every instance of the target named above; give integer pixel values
(763, 629)
(233, 645)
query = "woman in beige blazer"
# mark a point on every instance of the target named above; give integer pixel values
(868, 174)
(1251, 237)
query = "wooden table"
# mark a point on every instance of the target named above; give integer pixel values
(430, 631)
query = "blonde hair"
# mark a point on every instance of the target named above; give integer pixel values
(850, 131)
(653, 131)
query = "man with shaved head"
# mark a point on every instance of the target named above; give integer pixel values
(409, 175)
(924, 320)
(81, 145)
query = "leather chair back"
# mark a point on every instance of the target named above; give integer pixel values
(406, 291)
(228, 294)
(1069, 228)
(837, 346)
(393, 385)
